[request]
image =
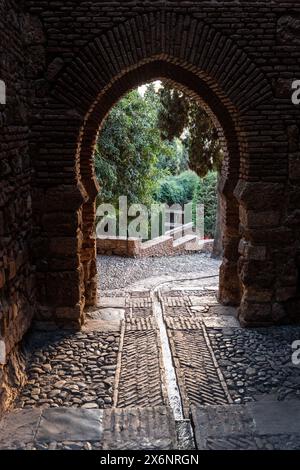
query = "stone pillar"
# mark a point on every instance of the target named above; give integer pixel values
(229, 283)
(88, 251)
(268, 276)
(60, 275)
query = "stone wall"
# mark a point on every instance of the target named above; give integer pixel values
(67, 63)
(119, 246)
(17, 292)
(164, 245)
(238, 60)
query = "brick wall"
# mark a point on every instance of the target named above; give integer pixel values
(67, 63)
(238, 60)
(17, 295)
(119, 246)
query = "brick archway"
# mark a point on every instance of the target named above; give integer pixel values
(208, 63)
(64, 65)
(195, 87)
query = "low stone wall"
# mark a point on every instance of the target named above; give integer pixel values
(208, 246)
(119, 246)
(160, 246)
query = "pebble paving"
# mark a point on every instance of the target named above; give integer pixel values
(115, 363)
(67, 369)
(257, 362)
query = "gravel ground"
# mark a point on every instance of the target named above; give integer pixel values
(116, 272)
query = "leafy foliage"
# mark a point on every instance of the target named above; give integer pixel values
(146, 146)
(130, 148)
(205, 152)
(179, 160)
(205, 193)
(174, 113)
(178, 115)
(188, 187)
(177, 189)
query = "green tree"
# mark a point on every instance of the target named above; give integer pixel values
(205, 193)
(178, 161)
(173, 116)
(129, 149)
(178, 189)
(180, 115)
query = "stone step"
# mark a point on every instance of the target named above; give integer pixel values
(150, 428)
(164, 239)
(184, 240)
(265, 425)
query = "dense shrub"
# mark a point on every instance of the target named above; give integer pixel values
(177, 189)
(147, 144)
(206, 193)
(130, 155)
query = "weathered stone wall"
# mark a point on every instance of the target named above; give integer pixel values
(164, 245)
(239, 59)
(120, 246)
(68, 63)
(17, 296)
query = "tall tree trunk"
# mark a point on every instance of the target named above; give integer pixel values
(218, 248)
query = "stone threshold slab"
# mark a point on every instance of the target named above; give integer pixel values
(131, 428)
(225, 422)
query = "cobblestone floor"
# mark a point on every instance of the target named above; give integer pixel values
(116, 366)
(67, 369)
(257, 362)
(65, 445)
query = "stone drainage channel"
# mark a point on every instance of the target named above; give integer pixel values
(184, 428)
